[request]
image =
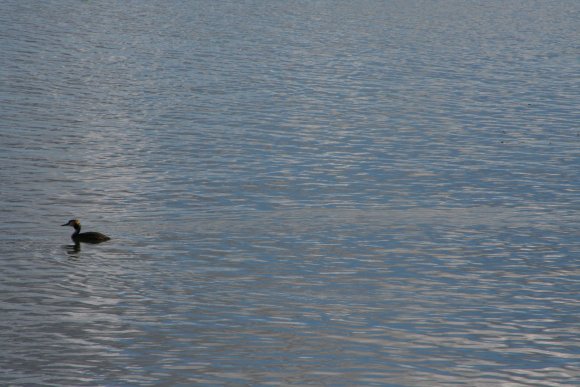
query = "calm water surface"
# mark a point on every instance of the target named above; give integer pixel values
(299, 193)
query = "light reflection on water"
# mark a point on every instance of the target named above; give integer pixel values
(378, 194)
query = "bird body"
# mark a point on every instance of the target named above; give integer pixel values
(87, 237)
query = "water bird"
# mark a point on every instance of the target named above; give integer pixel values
(87, 237)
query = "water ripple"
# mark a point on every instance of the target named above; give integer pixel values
(298, 193)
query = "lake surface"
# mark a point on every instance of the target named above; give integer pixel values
(380, 193)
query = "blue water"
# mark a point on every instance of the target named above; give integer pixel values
(298, 193)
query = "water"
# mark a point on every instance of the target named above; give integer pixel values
(299, 193)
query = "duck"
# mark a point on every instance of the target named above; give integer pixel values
(87, 237)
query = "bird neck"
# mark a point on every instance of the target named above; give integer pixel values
(77, 229)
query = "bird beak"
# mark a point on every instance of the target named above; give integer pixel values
(66, 224)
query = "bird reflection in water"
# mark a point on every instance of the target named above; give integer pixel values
(73, 250)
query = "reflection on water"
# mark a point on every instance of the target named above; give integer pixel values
(324, 193)
(73, 249)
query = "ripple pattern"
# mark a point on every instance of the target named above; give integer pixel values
(299, 193)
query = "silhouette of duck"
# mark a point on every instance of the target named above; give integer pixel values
(87, 237)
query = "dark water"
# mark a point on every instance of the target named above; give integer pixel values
(299, 193)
